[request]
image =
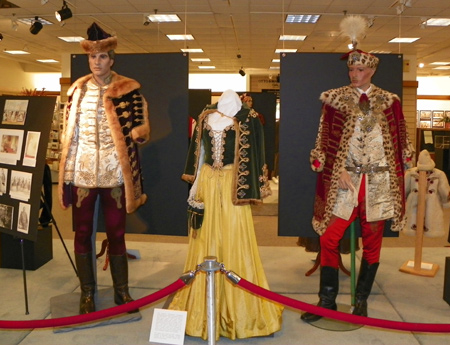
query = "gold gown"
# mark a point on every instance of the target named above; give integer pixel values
(228, 233)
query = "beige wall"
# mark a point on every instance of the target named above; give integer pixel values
(14, 78)
(409, 105)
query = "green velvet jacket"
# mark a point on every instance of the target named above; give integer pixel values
(250, 182)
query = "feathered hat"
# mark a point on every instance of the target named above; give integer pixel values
(98, 40)
(355, 27)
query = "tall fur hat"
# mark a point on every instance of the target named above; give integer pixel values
(98, 40)
(425, 162)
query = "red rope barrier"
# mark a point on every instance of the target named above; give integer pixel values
(101, 314)
(403, 326)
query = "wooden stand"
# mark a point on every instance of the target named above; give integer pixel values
(418, 267)
(317, 264)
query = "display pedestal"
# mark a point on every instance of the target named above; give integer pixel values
(36, 253)
(425, 269)
(68, 305)
(336, 325)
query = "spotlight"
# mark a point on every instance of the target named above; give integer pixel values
(64, 13)
(242, 72)
(43, 2)
(36, 26)
(145, 20)
(238, 56)
(1, 37)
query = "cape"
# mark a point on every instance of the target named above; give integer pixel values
(340, 112)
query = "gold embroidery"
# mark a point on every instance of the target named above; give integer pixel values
(116, 193)
(82, 193)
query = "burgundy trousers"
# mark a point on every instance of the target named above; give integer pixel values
(371, 233)
(113, 205)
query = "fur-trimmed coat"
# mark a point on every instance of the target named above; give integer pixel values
(340, 112)
(127, 114)
(436, 198)
(250, 183)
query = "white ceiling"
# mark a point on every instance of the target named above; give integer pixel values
(226, 28)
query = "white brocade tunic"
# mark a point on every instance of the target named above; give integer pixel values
(92, 160)
(366, 148)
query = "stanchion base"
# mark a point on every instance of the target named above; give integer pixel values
(68, 305)
(425, 270)
(336, 325)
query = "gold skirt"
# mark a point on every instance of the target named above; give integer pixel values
(227, 232)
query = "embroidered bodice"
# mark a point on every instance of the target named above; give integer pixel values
(219, 145)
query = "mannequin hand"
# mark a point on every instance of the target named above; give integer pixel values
(345, 182)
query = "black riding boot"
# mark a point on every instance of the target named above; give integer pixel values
(87, 282)
(329, 287)
(119, 273)
(364, 286)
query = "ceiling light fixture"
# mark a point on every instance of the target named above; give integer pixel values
(64, 13)
(292, 37)
(242, 72)
(302, 18)
(43, 2)
(438, 22)
(163, 18)
(404, 39)
(1, 37)
(16, 52)
(36, 26)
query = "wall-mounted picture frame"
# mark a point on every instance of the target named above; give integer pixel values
(438, 114)
(438, 123)
(425, 114)
(425, 124)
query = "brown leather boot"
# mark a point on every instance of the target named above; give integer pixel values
(119, 273)
(87, 282)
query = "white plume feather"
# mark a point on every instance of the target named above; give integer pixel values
(354, 27)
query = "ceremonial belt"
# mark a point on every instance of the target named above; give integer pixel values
(367, 169)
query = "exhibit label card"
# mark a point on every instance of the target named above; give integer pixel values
(168, 326)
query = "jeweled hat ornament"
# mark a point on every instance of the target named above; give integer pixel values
(355, 27)
(98, 40)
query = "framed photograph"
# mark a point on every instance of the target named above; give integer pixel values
(438, 114)
(15, 112)
(425, 124)
(438, 123)
(425, 114)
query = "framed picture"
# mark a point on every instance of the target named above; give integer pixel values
(438, 114)
(425, 114)
(438, 123)
(425, 124)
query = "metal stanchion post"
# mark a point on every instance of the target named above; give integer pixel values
(210, 266)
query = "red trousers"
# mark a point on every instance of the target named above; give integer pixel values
(371, 233)
(114, 212)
